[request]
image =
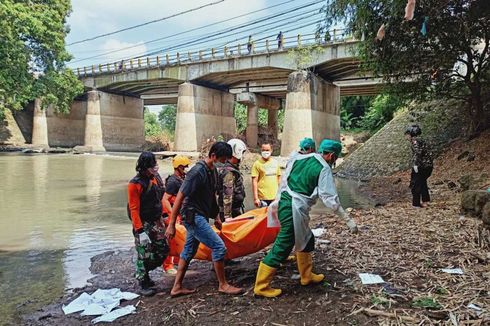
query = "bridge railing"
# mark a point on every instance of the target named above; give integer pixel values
(260, 46)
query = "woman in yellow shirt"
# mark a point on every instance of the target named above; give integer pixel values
(266, 176)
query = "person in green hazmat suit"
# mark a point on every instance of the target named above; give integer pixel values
(307, 178)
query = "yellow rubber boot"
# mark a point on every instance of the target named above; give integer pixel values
(263, 281)
(305, 265)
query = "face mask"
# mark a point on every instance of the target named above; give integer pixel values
(266, 154)
(154, 170)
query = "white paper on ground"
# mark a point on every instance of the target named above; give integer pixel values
(78, 304)
(100, 302)
(318, 232)
(323, 241)
(458, 271)
(474, 307)
(295, 277)
(367, 278)
(113, 315)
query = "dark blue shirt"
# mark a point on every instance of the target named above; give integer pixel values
(199, 189)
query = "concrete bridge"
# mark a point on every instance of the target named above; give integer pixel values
(205, 86)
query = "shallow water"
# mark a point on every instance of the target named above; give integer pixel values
(58, 211)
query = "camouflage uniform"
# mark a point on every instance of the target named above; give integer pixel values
(152, 254)
(422, 159)
(231, 190)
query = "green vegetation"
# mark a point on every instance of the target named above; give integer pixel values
(443, 52)
(367, 113)
(167, 118)
(241, 118)
(302, 57)
(426, 302)
(33, 55)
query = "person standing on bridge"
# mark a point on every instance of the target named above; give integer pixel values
(145, 192)
(249, 44)
(307, 178)
(231, 191)
(280, 39)
(422, 165)
(266, 175)
(173, 183)
(197, 198)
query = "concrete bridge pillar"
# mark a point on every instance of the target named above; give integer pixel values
(252, 131)
(93, 123)
(254, 102)
(202, 113)
(312, 110)
(39, 126)
(272, 122)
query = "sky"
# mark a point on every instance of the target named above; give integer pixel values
(94, 17)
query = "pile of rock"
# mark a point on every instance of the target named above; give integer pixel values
(477, 204)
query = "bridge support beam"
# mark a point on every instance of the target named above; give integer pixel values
(272, 124)
(254, 102)
(202, 113)
(93, 123)
(312, 110)
(39, 125)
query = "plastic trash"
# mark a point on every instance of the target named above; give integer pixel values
(409, 10)
(318, 232)
(367, 278)
(101, 302)
(79, 304)
(457, 271)
(113, 315)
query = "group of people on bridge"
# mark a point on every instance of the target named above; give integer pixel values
(214, 189)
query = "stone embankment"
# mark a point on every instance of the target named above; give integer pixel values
(388, 151)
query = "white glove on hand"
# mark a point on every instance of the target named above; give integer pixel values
(416, 169)
(348, 220)
(144, 238)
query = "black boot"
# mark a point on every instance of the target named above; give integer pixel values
(146, 286)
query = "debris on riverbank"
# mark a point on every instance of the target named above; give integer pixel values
(408, 248)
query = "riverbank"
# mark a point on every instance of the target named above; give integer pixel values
(407, 247)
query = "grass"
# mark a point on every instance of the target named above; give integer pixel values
(426, 302)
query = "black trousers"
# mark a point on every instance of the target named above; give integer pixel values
(418, 184)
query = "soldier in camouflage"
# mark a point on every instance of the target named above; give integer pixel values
(231, 190)
(422, 165)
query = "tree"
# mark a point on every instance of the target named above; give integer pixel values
(167, 118)
(33, 54)
(152, 127)
(443, 52)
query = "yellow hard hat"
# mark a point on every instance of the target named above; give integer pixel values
(180, 160)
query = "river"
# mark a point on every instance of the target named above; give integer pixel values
(58, 211)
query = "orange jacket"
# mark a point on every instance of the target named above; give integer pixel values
(134, 199)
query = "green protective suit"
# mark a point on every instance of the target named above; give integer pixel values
(303, 179)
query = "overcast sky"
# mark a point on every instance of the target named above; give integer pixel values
(94, 17)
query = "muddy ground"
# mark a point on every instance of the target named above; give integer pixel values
(407, 247)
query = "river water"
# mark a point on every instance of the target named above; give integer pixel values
(58, 211)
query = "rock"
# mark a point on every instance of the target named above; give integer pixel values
(482, 197)
(471, 157)
(82, 149)
(451, 185)
(468, 201)
(463, 155)
(485, 216)
(467, 182)
(473, 201)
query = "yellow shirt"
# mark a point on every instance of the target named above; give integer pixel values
(267, 173)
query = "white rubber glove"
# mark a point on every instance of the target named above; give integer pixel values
(348, 220)
(416, 169)
(144, 238)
